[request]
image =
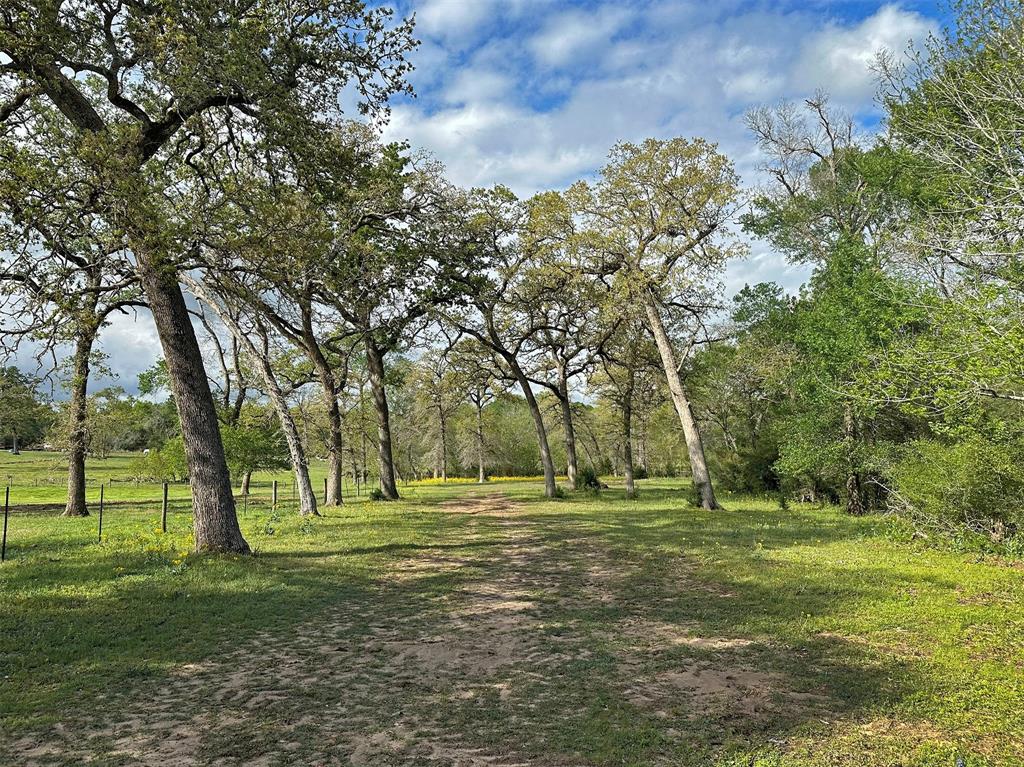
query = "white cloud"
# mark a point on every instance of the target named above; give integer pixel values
(131, 345)
(843, 57)
(476, 86)
(454, 21)
(657, 70)
(575, 36)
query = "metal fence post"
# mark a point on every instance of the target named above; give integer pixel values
(7, 509)
(99, 535)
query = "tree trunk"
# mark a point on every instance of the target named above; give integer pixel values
(550, 488)
(15, 450)
(213, 505)
(571, 463)
(443, 434)
(78, 436)
(375, 363)
(482, 475)
(296, 449)
(627, 442)
(694, 443)
(854, 490)
(334, 438)
(329, 388)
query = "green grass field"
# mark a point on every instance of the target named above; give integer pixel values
(474, 625)
(39, 478)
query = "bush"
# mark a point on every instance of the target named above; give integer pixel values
(164, 465)
(977, 485)
(588, 480)
(376, 494)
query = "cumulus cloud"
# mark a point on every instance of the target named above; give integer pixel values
(453, 21)
(618, 71)
(574, 37)
(842, 57)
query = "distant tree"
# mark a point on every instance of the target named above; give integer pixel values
(254, 443)
(625, 356)
(489, 229)
(656, 219)
(475, 371)
(24, 417)
(439, 393)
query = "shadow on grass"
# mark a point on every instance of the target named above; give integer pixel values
(616, 595)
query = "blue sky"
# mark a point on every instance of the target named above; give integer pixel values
(533, 93)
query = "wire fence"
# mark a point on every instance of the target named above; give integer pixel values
(272, 494)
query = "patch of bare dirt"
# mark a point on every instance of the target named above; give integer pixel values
(655, 636)
(325, 693)
(704, 689)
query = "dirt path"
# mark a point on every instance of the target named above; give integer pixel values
(512, 641)
(347, 688)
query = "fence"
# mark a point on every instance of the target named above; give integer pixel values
(163, 500)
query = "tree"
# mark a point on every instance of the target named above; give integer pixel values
(474, 370)
(563, 302)
(23, 416)
(395, 270)
(491, 222)
(742, 388)
(61, 277)
(655, 219)
(141, 90)
(255, 339)
(830, 207)
(439, 391)
(253, 443)
(954, 113)
(624, 357)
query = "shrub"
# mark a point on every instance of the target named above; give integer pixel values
(376, 494)
(588, 480)
(976, 485)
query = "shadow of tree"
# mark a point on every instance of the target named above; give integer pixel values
(572, 631)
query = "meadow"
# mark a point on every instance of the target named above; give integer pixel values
(478, 625)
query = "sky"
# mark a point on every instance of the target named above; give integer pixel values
(533, 93)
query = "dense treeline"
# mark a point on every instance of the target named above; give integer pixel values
(320, 294)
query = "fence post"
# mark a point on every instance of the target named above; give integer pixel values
(163, 514)
(7, 508)
(99, 535)
(274, 500)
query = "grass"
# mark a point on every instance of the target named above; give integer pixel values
(456, 625)
(39, 478)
